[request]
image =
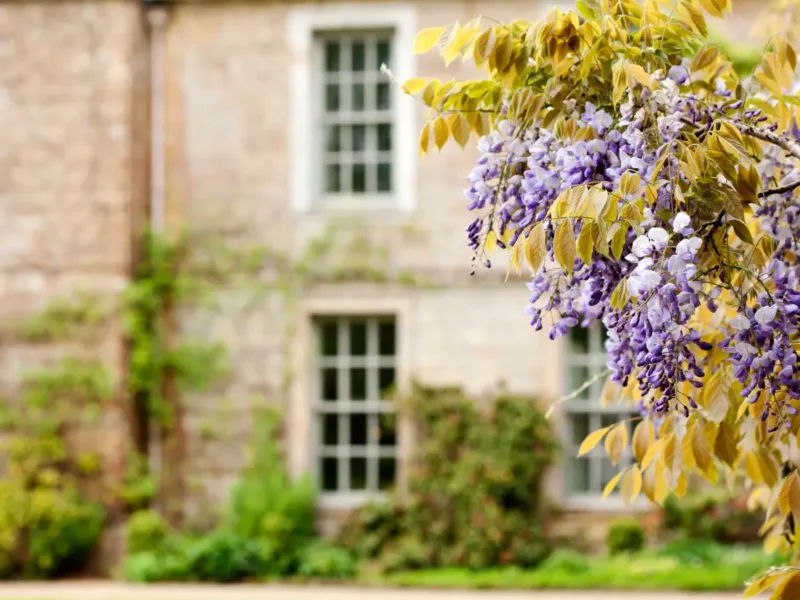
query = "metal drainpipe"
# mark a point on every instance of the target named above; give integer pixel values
(157, 18)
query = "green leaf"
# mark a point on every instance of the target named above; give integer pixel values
(564, 246)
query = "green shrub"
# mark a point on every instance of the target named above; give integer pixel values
(567, 561)
(474, 487)
(323, 561)
(145, 531)
(625, 535)
(266, 504)
(711, 515)
(45, 531)
(405, 554)
(225, 557)
(368, 531)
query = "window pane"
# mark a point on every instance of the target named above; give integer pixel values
(386, 341)
(359, 177)
(385, 380)
(333, 178)
(330, 474)
(333, 137)
(385, 136)
(330, 430)
(579, 426)
(329, 336)
(578, 376)
(330, 384)
(358, 384)
(383, 96)
(386, 472)
(358, 430)
(359, 56)
(578, 339)
(578, 475)
(332, 56)
(387, 430)
(358, 96)
(358, 473)
(358, 338)
(359, 137)
(332, 97)
(384, 177)
(384, 54)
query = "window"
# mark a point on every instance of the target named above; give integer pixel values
(356, 118)
(353, 133)
(587, 476)
(355, 424)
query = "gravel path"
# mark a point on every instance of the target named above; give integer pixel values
(119, 591)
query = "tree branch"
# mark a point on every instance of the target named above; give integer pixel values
(782, 189)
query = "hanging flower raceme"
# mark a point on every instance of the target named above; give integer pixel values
(646, 188)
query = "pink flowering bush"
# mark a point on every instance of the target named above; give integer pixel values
(647, 187)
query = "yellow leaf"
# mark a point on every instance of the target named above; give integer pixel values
(700, 449)
(484, 46)
(564, 246)
(440, 132)
(424, 139)
(612, 484)
(681, 485)
(412, 86)
(592, 440)
(762, 583)
(616, 442)
(660, 487)
(640, 75)
(643, 437)
(652, 452)
(585, 246)
(788, 589)
(631, 484)
(459, 129)
(427, 39)
(491, 241)
(789, 496)
(726, 445)
(711, 8)
(514, 262)
(535, 247)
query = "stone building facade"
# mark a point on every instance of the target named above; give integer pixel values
(269, 123)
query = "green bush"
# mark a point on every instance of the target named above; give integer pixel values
(145, 531)
(711, 515)
(266, 504)
(474, 487)
(323, 561)
(45, 531)
(625, 535)
(567, 561)
(267, 530)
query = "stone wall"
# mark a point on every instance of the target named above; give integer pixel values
(71, 170)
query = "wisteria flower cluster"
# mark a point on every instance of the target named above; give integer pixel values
(650, 188)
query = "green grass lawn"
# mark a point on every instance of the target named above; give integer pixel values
(679, 567)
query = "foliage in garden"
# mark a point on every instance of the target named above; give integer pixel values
(474, 496)
(48, 525)
(647, 186)
(267, 530)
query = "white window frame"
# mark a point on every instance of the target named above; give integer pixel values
(595, 360)
(305, 23)
(372, 407)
